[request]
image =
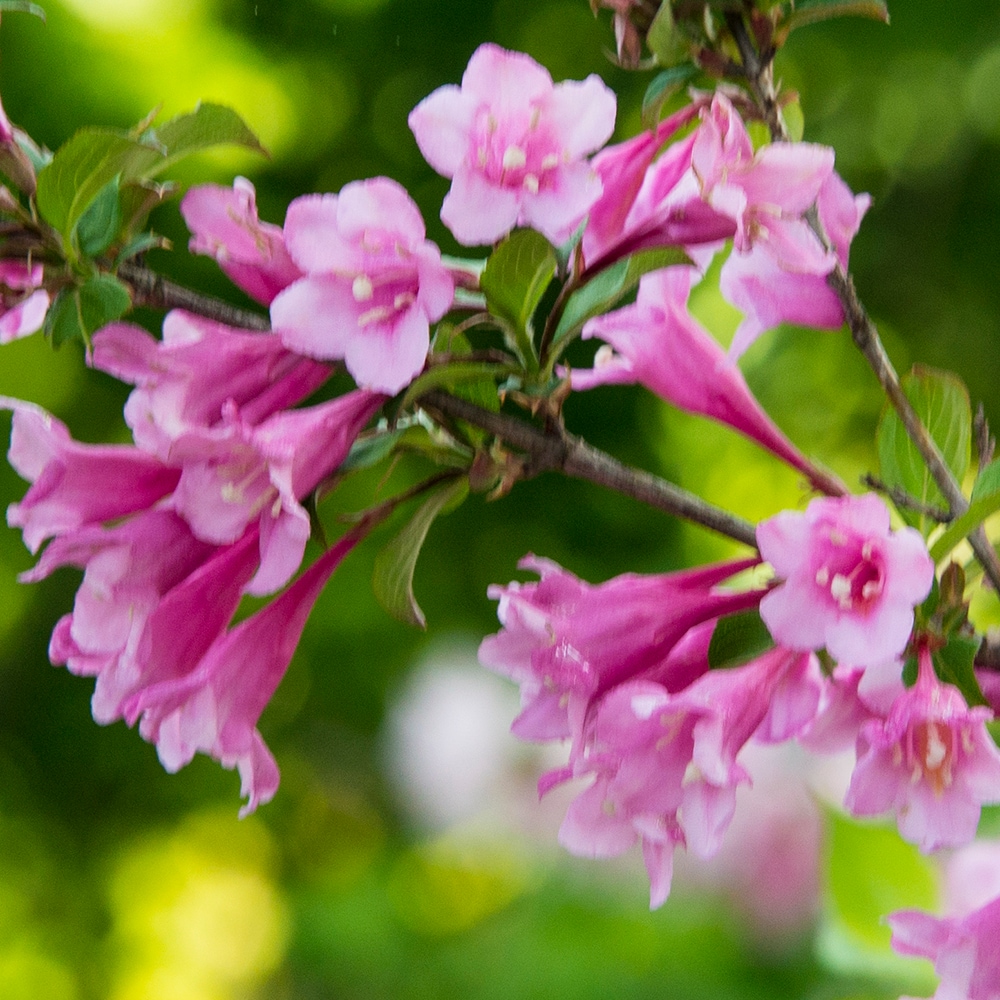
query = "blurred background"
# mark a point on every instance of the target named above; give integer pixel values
(405, 855)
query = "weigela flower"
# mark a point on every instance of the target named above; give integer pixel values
(566, 642)
(373, 283)
(850, 583)
(185, 380)
(514, 145)
(963, 949)
(931, 761)
(659, 344)
(23, 302)
(225, 226)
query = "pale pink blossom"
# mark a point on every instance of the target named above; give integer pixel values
(240, 474)
(373, 283)
(659, 344)
(23, 302)
(849, 583)
(931, 762)
(185, 380)
(225, 226)
(215, 707)
(566, 641)
(75, 484)
(963, 949)
(514, 144)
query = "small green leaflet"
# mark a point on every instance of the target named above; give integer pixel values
(985, 501)
(98, 226)
(941, 401)
(662, 87)
(392, 580)
(953, 665)
(737, 639)
(81, 310)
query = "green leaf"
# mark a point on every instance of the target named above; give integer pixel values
(392, 579)
(23, 7)
(870, 872)
(980, 509)
(663, 38)
(79, 311)
(98, 226)
(941, 401)
(370, 450)
(737, 639)
(812, 11)
(953, 665)
(662, 87)
(81, 168)
(455, 373)
(514, 281)
(607, 288)
(207, 126)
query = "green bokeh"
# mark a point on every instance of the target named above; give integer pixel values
(103, 856)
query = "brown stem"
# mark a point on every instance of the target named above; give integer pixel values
(556, 450)
(153, 290)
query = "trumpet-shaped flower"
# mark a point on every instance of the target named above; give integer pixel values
(931, 761)
(850, 583)
(373, 283)
(225, 226)
(23, 302)
(514, 144)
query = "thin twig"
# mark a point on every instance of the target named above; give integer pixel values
(556, 450)
(902, 499)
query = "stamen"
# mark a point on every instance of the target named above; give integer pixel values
(840, 588)
(514, 158)
(531, 183)
(362, 288)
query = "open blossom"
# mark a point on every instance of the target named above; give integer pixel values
(850, 583)
(963, 949)
(566, 641)
(514, 144)
(185, 380)
(373, 283)
(225, 226)
(661, 345)
(931, 761)
(23, 302)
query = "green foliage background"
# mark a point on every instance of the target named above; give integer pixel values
(118, 880)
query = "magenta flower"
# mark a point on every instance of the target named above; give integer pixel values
(373, 283)
(514, 145)
(963, 949)
(566, 642)
(185, 380)
(215, 707)
(931, 761)
(75, 484)
(225, 226)
(662, 346)
(23, 302)
(850, 584)
(238, 475)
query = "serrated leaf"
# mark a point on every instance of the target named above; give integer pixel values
(392, 579)
(812, 11)
(605, 290)
(515, 278)
(662, 87)
(103, 299)
(98, 226)
(953, 665)
(737, 639)
(62, 321)
(22, 7)
(207, 126)
(941, 401)
(81, 167)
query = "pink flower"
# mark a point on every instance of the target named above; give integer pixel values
(662, 346)
(770, 291)
(373, 283)
(225, 226)
(23, 302)
(963, 949)
(75, 484)
(185, 380)
(566, 642)
(931, 761)
(238, 475)
(513, 144)
(215, 707)
(850, 584)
